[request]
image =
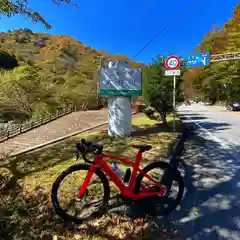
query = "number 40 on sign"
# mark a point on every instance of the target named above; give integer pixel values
(172, 64)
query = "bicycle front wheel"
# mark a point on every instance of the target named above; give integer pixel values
(66, 188)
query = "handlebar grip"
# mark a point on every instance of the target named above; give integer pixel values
(92, 146)
(85, 147)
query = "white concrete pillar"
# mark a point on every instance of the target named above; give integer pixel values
(119, 116)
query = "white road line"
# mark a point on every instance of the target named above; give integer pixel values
(215, 139)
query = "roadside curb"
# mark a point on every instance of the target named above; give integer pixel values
(177, 145)
(59, 139)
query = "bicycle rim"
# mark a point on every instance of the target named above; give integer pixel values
(65, 190)
(171, 179)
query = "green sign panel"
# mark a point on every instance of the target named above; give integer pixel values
(120, 92)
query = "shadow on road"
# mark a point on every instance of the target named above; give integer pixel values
(210, 208)
(214, 127)
(193, 116)
(206, 123)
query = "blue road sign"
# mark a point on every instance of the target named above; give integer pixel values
(197, 60)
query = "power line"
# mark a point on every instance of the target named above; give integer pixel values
(163, 29)
(166, 27)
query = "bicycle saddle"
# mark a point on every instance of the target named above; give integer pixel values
(142, 148)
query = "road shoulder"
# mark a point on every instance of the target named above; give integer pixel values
(210, 208)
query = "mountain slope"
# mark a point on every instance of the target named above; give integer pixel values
(67, 68)
(53, 53)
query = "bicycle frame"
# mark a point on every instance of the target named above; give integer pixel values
(127, 191)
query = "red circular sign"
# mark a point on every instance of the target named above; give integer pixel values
(172, 62)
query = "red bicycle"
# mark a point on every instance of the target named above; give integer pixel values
(132, 187)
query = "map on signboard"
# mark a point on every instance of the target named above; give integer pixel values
(120, 82)
(197, 60)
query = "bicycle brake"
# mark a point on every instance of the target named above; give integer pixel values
(77, 154)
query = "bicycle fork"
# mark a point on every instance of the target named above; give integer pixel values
(86, 181)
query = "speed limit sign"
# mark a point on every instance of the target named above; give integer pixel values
(172, 63)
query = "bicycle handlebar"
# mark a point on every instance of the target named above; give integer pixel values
(84, 147)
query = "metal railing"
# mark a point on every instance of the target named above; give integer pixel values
(27, 126)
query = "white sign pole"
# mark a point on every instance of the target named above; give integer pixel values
(119, 113)
(172, 64)
(174, 103)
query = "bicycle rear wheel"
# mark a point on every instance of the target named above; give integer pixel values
(98, 187)
(158, 205)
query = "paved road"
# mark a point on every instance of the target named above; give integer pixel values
(65, 125)
(211, 163)
(223, 125)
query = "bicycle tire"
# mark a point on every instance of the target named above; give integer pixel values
(54, 197)
(173, 172)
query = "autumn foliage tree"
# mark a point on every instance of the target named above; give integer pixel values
(219, 81)
(21, 7)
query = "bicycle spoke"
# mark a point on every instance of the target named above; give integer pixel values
(89, 203)
(93, 202)
(168, 177)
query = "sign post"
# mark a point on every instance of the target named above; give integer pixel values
(119, 82)
(172, 64)
(174, 103)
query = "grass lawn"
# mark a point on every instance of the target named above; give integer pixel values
(25, 184)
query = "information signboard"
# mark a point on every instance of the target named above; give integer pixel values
(120, 82)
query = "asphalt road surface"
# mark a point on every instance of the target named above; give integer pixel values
(210, 165)
(222, 125)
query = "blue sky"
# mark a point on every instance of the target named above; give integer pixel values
(126, 26)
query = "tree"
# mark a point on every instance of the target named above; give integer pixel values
(75, 91)
(22, 89)
(158, 89)
(220, 81)
(10, 8)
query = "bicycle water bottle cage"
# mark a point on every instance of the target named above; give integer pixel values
(127, 175)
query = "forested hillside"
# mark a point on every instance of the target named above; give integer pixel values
(40, 73)
(221, 80)
(53, 72)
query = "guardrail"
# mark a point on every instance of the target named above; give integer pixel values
(27, 126)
